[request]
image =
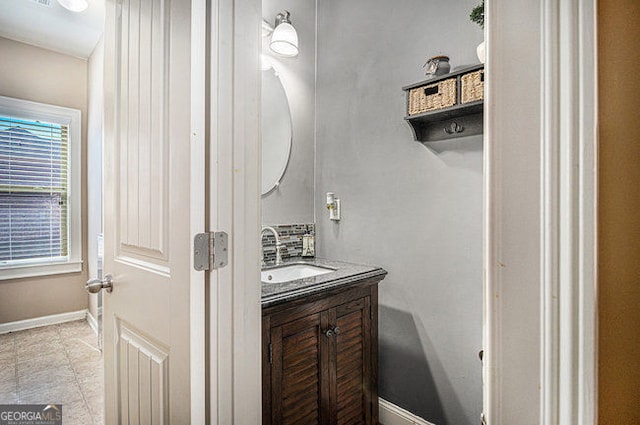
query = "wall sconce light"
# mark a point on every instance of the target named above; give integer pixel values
(284, 40)
(333, 205)
(74, 5)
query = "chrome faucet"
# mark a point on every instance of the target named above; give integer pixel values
(278, 244)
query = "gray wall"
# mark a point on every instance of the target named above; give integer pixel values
(414, 209)
(292, 201)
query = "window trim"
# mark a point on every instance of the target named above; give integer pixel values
(26, 109)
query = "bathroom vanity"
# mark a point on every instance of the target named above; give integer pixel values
(320, 343)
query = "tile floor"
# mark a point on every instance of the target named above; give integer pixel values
(54, 364)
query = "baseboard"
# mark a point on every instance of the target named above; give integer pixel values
(92, 322)
(390, 414)
(36, 322)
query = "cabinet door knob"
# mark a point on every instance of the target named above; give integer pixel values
(332, 332)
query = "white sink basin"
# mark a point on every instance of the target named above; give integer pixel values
(292, 272)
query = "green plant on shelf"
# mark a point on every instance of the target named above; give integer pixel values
(477, 15)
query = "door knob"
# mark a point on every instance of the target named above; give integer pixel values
(94, 286)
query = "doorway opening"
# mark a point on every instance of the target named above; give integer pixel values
(51, 206)
(347, 182)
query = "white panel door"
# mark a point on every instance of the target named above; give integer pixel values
(150, 175)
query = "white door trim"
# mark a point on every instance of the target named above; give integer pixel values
(234, 196)
(568, 354)
(198, 186)
(540, 213)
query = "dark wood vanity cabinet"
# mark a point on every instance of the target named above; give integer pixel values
(320, 358)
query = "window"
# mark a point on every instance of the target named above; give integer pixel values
(40, 226)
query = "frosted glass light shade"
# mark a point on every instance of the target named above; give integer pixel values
(74, 5)
(284, 40)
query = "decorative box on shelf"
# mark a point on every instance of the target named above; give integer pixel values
(447, 106)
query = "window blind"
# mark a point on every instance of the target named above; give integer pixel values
(34, 217)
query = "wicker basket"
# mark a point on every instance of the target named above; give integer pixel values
(432, 97)
(472, 86)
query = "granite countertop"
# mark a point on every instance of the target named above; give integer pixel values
(344, 274)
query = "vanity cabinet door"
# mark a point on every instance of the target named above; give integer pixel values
(352, 362)
(296, 372)
(320, 361)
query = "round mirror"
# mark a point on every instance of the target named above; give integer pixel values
(276, 131)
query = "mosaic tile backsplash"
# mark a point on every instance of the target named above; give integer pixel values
(290, 236)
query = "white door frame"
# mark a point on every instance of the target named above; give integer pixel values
(235, 392)
(540, 213)
(540, 194)
(197, 219)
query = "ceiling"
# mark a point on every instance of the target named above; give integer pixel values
(46, 24)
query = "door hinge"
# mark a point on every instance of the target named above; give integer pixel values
(210, 250)
(270, 353)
